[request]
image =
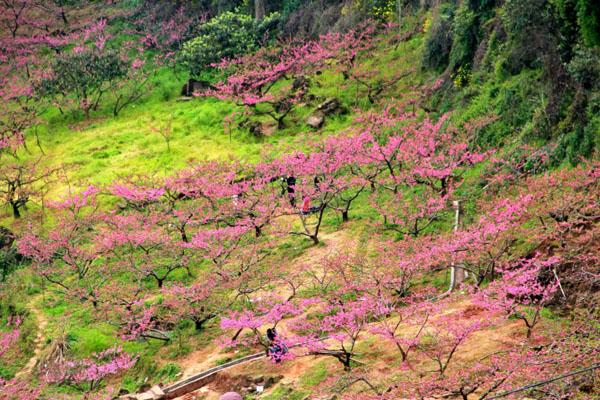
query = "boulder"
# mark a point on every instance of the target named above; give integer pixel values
(330, 106)
(157, 391)
(194, 85)
(316, 120)
(301, 83)
(230, 396)
(256, 129)
(272, 380)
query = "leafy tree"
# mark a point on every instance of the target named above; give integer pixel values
(225, 36)
(87, 75)
(464, 37)
(438, 43)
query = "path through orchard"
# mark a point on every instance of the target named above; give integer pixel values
(200, 369)
(39, 342)
(198, 364)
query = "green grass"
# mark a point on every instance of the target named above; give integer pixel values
(315, 376)
(86, 340)
(283, 392)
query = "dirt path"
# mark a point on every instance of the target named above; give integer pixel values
(205, 358)
(39, 341)
(481, 344)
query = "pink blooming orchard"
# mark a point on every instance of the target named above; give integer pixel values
(205, 244)
(91, 371)
(202, 238)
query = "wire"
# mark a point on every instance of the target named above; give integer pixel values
(542, 383)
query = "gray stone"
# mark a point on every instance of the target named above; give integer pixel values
(316, 120)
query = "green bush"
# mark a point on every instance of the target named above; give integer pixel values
(438, 42)
(464, 38)
(585, 67)
(580, 142)
(9, 262)
(88, 75)
(225, 36)
(588, 16)
(168, 373)
(529, 27)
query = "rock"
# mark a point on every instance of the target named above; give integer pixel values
(330, 106)
(194, 85)
(272, 380)
(316, 120)
(258, 379)
(157, 391)
(146, 396)
(230, 396)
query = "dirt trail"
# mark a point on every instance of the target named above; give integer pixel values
(481, 344)
(39, 341)
(207, 357)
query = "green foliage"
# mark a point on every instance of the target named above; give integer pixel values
(438, 43)
(382, 10)
(464, 37)
(585, 67)
(86, 75)
(528, 24)
(588, 16)
(168, 373)
(225, 36)
(579, 142)
(529, 62)
(9, 262)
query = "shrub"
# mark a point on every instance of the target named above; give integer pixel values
(439, 39)
(464, 38)
(88, 75)
(588, 16)
(225, 36)
(580, 142)
(10, 260)
(585, 67)
(527, 23)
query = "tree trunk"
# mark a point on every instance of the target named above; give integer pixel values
(259, 9)
(345, 216)
(15, 210)
(347, 361)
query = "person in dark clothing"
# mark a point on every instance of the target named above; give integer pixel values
(277, 349)
(316, 181)
(291, 190)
